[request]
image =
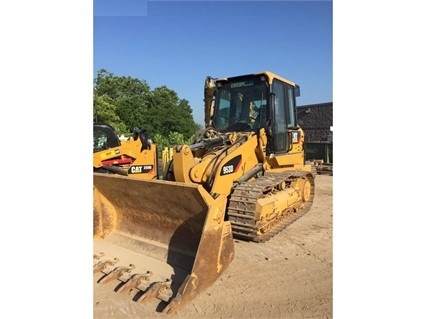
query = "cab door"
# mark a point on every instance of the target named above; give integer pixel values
(283, 116)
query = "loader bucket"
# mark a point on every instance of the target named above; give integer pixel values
(179, 225)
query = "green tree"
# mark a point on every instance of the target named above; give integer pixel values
(167, 113)
(118, 87)
(126, 102)
(105, 112)
(125, 99)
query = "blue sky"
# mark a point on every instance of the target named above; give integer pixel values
(179, 43)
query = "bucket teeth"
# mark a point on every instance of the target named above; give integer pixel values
(161, 290)
(139, 281)
(174, 305)
(104, 265)
(116, 273)
(165, 294)
(98, 256)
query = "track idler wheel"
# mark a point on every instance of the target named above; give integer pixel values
(306, 190)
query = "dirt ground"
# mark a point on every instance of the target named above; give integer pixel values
(289, 276)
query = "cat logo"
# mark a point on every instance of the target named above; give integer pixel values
(140, 169)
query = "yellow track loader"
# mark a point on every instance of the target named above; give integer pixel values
(243, 177)
(136, 156)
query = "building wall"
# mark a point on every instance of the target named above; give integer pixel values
(316, 120)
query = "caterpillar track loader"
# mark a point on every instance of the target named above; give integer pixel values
(243, 177)
(136, 156)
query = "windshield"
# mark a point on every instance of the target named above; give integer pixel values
(240, 105)
(104, 137)
(100, 139)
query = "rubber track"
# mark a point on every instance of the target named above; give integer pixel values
(242, 205)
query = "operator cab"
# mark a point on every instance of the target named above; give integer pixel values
(255, 101)
(104, 137)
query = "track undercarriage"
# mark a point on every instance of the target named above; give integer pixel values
(260, 209)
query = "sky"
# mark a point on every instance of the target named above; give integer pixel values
(377, 57)
(178, 43)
